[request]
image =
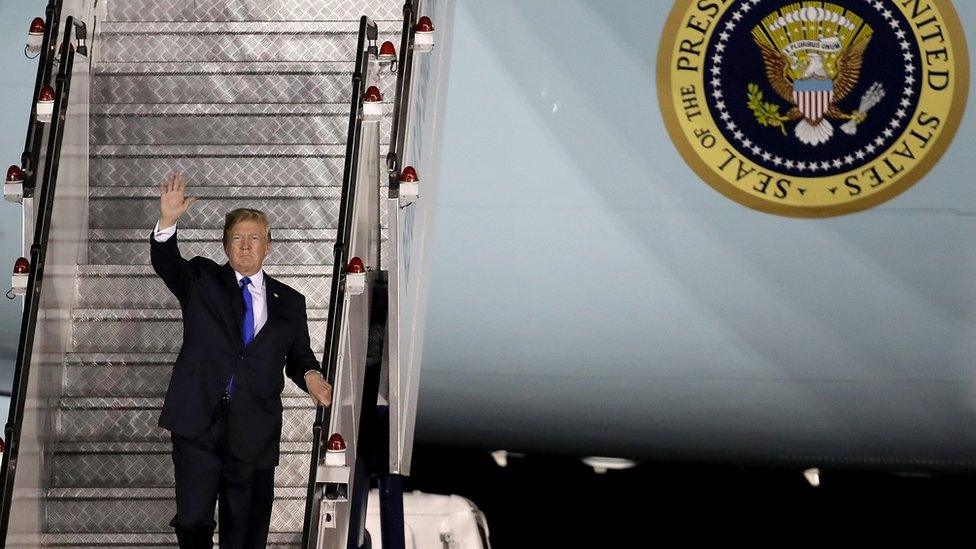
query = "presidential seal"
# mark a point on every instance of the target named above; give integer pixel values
(812, 109)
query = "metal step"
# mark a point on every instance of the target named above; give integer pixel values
(149, 510)
(138, 286)
(212, 124)
(149, 330)
(247, 10)
(287, 207)
(232, 42)
(149, 465)
(228, 83)
(166, 83)
(134, 419)
(120, 375)
(218, 165)
(127, 540)
(131, 246)
(134, 374)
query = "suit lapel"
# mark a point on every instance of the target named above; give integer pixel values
(235, 301)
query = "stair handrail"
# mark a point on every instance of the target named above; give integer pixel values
(38, 253)
(45, 65)
(401, 104)
(367, 31)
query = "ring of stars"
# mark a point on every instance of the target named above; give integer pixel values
(878, 142)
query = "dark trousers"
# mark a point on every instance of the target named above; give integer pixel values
(204, 470)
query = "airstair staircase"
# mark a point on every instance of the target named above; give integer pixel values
(250, 99)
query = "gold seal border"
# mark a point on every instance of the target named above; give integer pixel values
(666, 101)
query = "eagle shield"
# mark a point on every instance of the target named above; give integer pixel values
(812, 54)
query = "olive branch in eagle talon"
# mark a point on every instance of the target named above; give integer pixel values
(767, 114)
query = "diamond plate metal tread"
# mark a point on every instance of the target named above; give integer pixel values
(218, 165)
(221, 41)
(131, 510)
(243, 10)
(162, 315)
(138, 286)
(139, 110)
(244, 28)
(128, 540)
(241, 172)
(209, 192)
(287, 207)
(212, 124)
(122, 83)
(131, 246)
(105, 71)
(134, 419)
(149, 464)
(121, 375)
(243, 82)
(300, 447)
(217, 151)
(150, 330)
(188, 235)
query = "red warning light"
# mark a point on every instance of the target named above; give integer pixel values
(409, 175)
(336, 444)
(372, 94)
(47, 94)
(425, 25)
(21, 266)
(356, 266)
(14, 173)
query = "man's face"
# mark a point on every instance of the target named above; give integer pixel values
(247, 246)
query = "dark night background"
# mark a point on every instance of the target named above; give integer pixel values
(549, 500)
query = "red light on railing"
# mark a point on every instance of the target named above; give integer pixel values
(336, 444)
(35, 35)
(21, 266)
(356, 266)
(425, 25)
(409, 175)
(45, 104)
(388, 49)
(424, 35)
(15, 174)
(46, 95)
(372, 95)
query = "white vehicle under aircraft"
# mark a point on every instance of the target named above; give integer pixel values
(733, 232)
(434, 520)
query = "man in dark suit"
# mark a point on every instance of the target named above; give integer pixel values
(223, 405)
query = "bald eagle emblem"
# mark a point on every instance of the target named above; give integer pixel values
(812, 56)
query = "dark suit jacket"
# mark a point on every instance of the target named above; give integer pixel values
(213, 350)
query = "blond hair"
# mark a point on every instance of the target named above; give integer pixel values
(234, 217)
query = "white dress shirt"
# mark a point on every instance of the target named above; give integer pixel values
(256, 287)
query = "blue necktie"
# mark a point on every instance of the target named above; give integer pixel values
(248, 325)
